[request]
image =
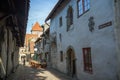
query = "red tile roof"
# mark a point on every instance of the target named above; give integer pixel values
(37, 27)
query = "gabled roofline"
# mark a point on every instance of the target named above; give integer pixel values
(54, 9)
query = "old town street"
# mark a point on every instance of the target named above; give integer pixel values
(28, 73)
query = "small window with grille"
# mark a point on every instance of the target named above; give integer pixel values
(87, 60)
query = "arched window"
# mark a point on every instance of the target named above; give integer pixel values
(69, 17)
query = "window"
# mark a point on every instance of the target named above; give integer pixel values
(69, 17)
(60, 36)
(87, 60)
(44, 41)
(61, 56)
(60, 21)
(83, 6)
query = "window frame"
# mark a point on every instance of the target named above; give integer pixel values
(87, 60)
(61, 56)
(69, 17)
(83, 7)
(60, 37)
(60, 21)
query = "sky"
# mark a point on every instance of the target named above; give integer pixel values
(39, 10)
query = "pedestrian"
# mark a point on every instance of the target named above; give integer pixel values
(24, 61)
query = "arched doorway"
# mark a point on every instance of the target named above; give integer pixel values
(71, 62)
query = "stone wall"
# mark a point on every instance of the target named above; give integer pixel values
(9, 53)
(3, 52)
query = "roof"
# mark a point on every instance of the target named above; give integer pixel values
(15, 12)
(55, 9)
(37, 27)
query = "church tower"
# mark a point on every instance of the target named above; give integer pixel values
(37, 29)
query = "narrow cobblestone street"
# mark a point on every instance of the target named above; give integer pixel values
(28, 73)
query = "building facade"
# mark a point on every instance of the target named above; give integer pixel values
(37, 29)
(39, 50)
(84, 34)
(29, 44)
(12, 34)
(42, 45)
(46, 46)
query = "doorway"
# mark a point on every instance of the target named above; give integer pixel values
(71, 62)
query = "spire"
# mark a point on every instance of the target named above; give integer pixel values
(37, 27)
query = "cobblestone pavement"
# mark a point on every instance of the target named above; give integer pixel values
(28, 73)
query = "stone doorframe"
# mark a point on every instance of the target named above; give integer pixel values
(71, 61)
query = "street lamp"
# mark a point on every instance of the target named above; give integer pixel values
(35, 49)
